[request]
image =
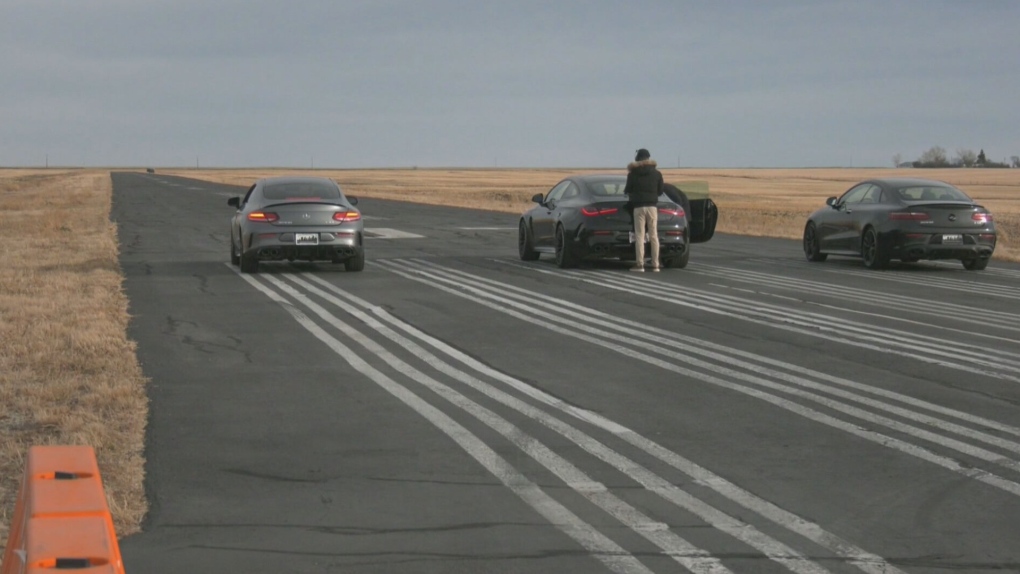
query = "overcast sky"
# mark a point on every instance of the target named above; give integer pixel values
(512, 83)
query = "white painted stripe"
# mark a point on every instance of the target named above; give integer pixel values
(387, 233)
(641, 333)
(787, 319)
(914, 305)
(969, 287)
(726, 355)
(686, 554)
(602, 548)
(530, 315)
(773, 549)
(748, 534)
(882, 337)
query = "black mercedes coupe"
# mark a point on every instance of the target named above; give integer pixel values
(907, 219)
(585, 217)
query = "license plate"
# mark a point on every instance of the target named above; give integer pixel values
(952, 238)
(630, 237)
(306, 238)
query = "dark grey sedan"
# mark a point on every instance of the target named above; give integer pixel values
(291, 218)
(585, 217)
(902, 218)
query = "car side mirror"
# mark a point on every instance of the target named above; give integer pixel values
(352, 200)
(234, 202)
(831, 202)
(538, 198)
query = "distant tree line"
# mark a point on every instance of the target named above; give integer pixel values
(937, 157)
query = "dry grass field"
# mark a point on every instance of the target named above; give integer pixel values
(69, 375)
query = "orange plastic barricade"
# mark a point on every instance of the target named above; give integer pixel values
(61, 519)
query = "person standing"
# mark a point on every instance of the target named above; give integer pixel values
(644, 185)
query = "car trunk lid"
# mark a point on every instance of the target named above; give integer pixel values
(962, 216)
(305, 214)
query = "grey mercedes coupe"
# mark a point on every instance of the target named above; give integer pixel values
(292, 218)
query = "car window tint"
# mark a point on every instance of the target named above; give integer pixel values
(931, 193)
(607, 189)
(855, 194)
(571, 191)
(557, 191)
(295, 191)
(872, 195)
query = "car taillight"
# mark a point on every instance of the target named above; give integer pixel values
(909, 216)
(343, 216)
(982, 217)
(987, 238)
(267, 216)
(679, 211)
(595, 211)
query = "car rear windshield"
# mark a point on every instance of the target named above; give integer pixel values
(303, 190)
(607, 188)
(931, 193)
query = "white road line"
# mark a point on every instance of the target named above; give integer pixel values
(740, 530)
(529, 314)
(756, 379)
(602, 548)
(387, 233)
(807, 324)
(688, 555)
(916, 305)
(884, 339)
(929, 282)
(726, 355)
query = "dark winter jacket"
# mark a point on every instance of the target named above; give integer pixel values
(644, 183)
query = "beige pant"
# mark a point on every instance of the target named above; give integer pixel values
(646, 219)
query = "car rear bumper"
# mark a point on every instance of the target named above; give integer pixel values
(930, 246)
(617, 245)
(331, 246)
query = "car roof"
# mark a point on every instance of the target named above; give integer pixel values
(907, 182)
(295, 179)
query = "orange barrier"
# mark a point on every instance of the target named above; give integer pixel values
(61, 519)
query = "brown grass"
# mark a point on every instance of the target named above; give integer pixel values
(68, 374)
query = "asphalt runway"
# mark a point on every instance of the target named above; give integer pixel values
(454, 409)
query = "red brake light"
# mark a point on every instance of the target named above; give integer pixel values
(344, 216)
(594, 211)
(909, 216)
(982, 217)
(679, 211)
(267, 216)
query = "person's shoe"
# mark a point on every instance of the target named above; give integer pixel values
(638, 269)
(655, 269)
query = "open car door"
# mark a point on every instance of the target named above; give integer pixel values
(702, 212)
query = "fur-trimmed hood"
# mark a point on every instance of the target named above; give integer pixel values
(636, 164)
